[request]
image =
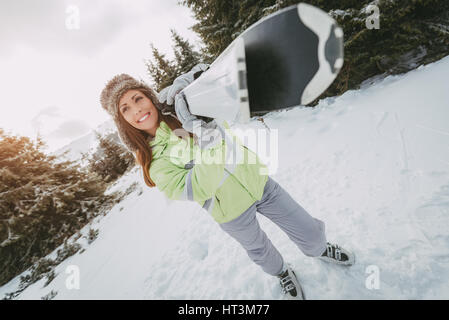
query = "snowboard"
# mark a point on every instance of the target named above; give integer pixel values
(285, 59)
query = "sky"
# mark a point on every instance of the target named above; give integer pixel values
(57, 55)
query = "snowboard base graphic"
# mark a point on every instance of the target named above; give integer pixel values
(286, 59)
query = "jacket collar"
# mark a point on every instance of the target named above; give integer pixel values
(162, 134)
(161, 139)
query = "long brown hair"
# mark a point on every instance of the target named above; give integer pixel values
(141, 138)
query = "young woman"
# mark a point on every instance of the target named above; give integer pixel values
(197, 167)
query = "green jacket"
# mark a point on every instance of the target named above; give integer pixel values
(220, 174)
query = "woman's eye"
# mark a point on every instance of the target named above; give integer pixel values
(138, 98)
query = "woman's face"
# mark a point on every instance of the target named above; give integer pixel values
(139, 111)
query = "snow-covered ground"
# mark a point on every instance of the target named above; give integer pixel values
(373, 164)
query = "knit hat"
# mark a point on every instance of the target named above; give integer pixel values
(112, 93)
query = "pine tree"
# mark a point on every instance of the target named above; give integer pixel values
(42, 202)
(111, 160)
(218, 22)
(185, 56)
(163, 71)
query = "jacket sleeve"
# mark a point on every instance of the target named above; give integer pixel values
(198, 183)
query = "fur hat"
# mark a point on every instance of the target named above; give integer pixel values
(112, 93)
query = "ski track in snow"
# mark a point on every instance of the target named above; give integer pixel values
(373, 164)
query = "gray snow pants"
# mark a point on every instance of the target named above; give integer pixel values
(306, 232)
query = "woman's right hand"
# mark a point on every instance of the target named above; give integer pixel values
(183, 113)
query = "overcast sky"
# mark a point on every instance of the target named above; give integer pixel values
(57, 55)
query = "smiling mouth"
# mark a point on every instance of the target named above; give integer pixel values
(145, 117)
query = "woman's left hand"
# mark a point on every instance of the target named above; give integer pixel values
(169, 93)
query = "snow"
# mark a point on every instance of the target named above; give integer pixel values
(373, 164)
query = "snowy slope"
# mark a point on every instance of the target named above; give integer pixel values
(85, 144)
(373, 164)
